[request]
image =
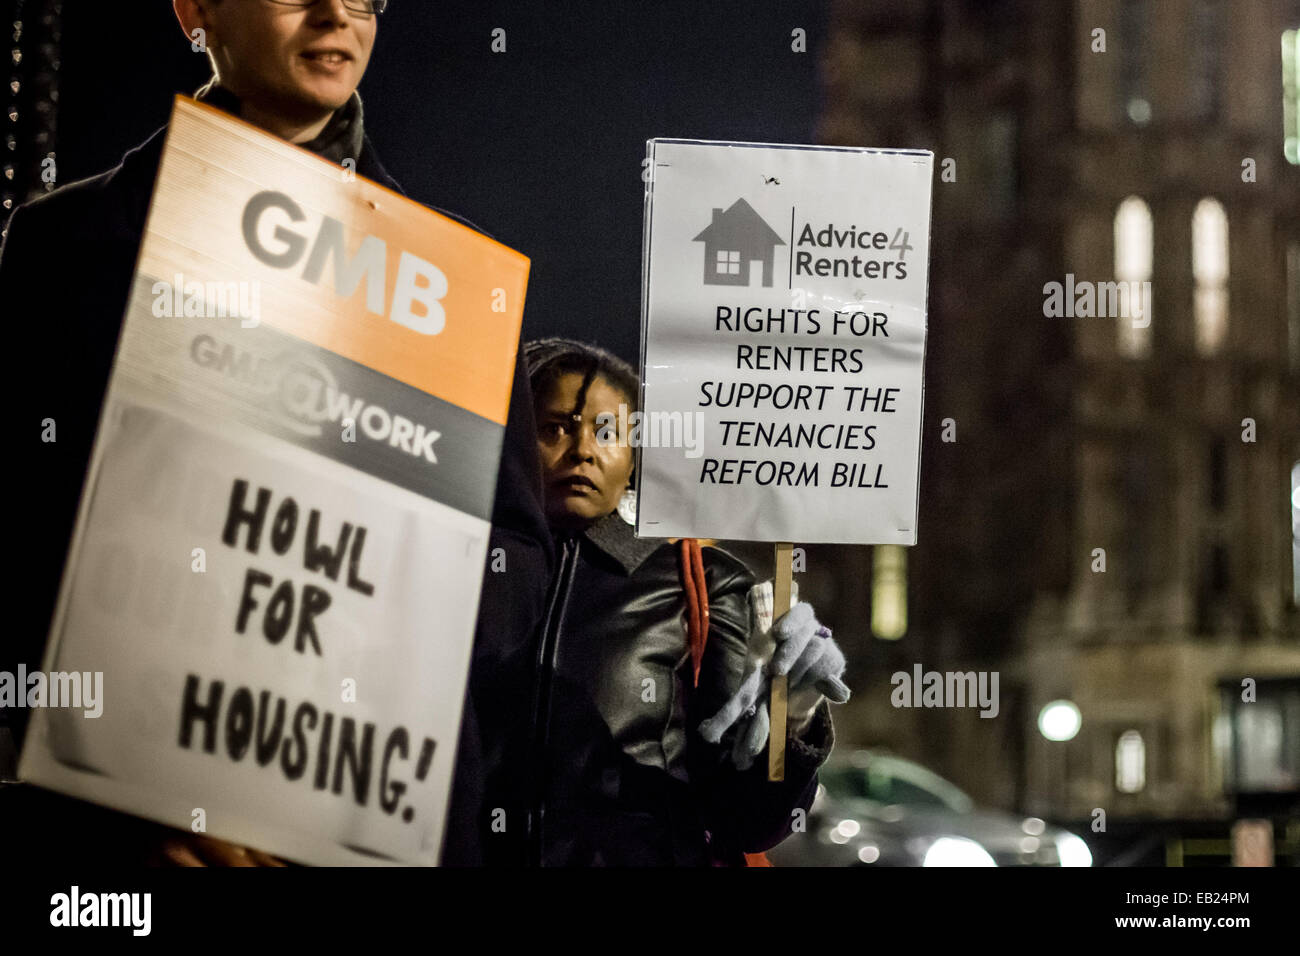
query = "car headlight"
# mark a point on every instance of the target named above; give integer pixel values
(1072, 850)
(956, 851)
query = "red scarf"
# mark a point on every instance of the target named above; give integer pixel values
(697, 626)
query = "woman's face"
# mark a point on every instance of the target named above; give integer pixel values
(583, 478)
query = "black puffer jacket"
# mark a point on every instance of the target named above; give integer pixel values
(618, 774)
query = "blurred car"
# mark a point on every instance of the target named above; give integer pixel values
(874, 808)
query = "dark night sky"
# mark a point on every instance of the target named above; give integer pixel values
(541, 145)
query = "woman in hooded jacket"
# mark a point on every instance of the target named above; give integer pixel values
(645, 747)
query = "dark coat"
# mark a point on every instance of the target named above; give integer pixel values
(619, 774)
(65, 272)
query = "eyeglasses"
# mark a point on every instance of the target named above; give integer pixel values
(356, 6)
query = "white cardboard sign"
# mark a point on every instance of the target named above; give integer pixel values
(277, 563)
(783, 342)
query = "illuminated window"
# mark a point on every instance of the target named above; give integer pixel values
(1210, 269)
(889, 591)
(1291, 95)
(1295, 534)
(1130, 762)
(1133, 255)
(1261, 744)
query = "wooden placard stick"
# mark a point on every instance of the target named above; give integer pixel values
(781, 588)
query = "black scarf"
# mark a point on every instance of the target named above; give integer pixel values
(342, 138)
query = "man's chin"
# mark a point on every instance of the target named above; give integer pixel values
(326, 101)
(314, 94)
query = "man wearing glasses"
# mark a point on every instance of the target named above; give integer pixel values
(291, 67)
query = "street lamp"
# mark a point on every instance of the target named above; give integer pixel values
(1059, 720)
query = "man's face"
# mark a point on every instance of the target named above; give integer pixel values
(297, 61)
(583, 479)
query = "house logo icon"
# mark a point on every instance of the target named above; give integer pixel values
(735, 241)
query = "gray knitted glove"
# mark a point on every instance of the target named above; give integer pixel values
(808, 655)
(798, 647)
